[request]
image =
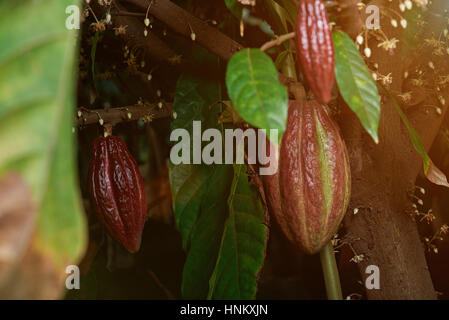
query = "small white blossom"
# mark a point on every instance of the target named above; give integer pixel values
(408, 4)
(357, 258)
(404, 23)
(367, 52)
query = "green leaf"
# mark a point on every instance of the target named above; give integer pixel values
(356, 84)
(243, 244)
(188, 104)
(235, 7)
(277, 17)
(201, 206)
(37, 103)
(188, 182)
(281, 58)
(254, 89)
(290, 7)
(430, 170)
(206, 235)
(188, 185)
(198, 191)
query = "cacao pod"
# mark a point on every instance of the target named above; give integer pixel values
(314, 178)
(315, 48)
(118, 191)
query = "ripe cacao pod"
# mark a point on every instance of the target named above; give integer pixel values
(118, 191)
(314, 182)
(315, 48)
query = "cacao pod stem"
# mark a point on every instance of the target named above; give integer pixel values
(330, 272)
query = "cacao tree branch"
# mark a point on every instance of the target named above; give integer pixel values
(184, 23)
(278, 41)
(129, 14)
(134, 34)
(146, 112)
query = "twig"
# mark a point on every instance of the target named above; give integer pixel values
(128, 14)
(158, 282)
(146, 112)
(278, 41)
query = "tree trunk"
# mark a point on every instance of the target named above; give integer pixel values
(383, 177)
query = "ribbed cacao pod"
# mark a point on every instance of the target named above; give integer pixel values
(315, 48)
(313, 183)
(118, 191)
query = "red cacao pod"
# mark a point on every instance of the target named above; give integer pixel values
(315, 48)
(314, 177)
(117, 191)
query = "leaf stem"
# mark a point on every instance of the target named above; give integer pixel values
(330, 272)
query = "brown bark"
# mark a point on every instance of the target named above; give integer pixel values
(184, 23)
(153, 46)
(383, 176)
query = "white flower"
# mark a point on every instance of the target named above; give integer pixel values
(388, 44)
(357, 258)
(404, 23)
(367, 52)
(408, 4)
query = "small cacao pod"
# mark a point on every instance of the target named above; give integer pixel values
(315, 48)
(117, 191)
(314, 177)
